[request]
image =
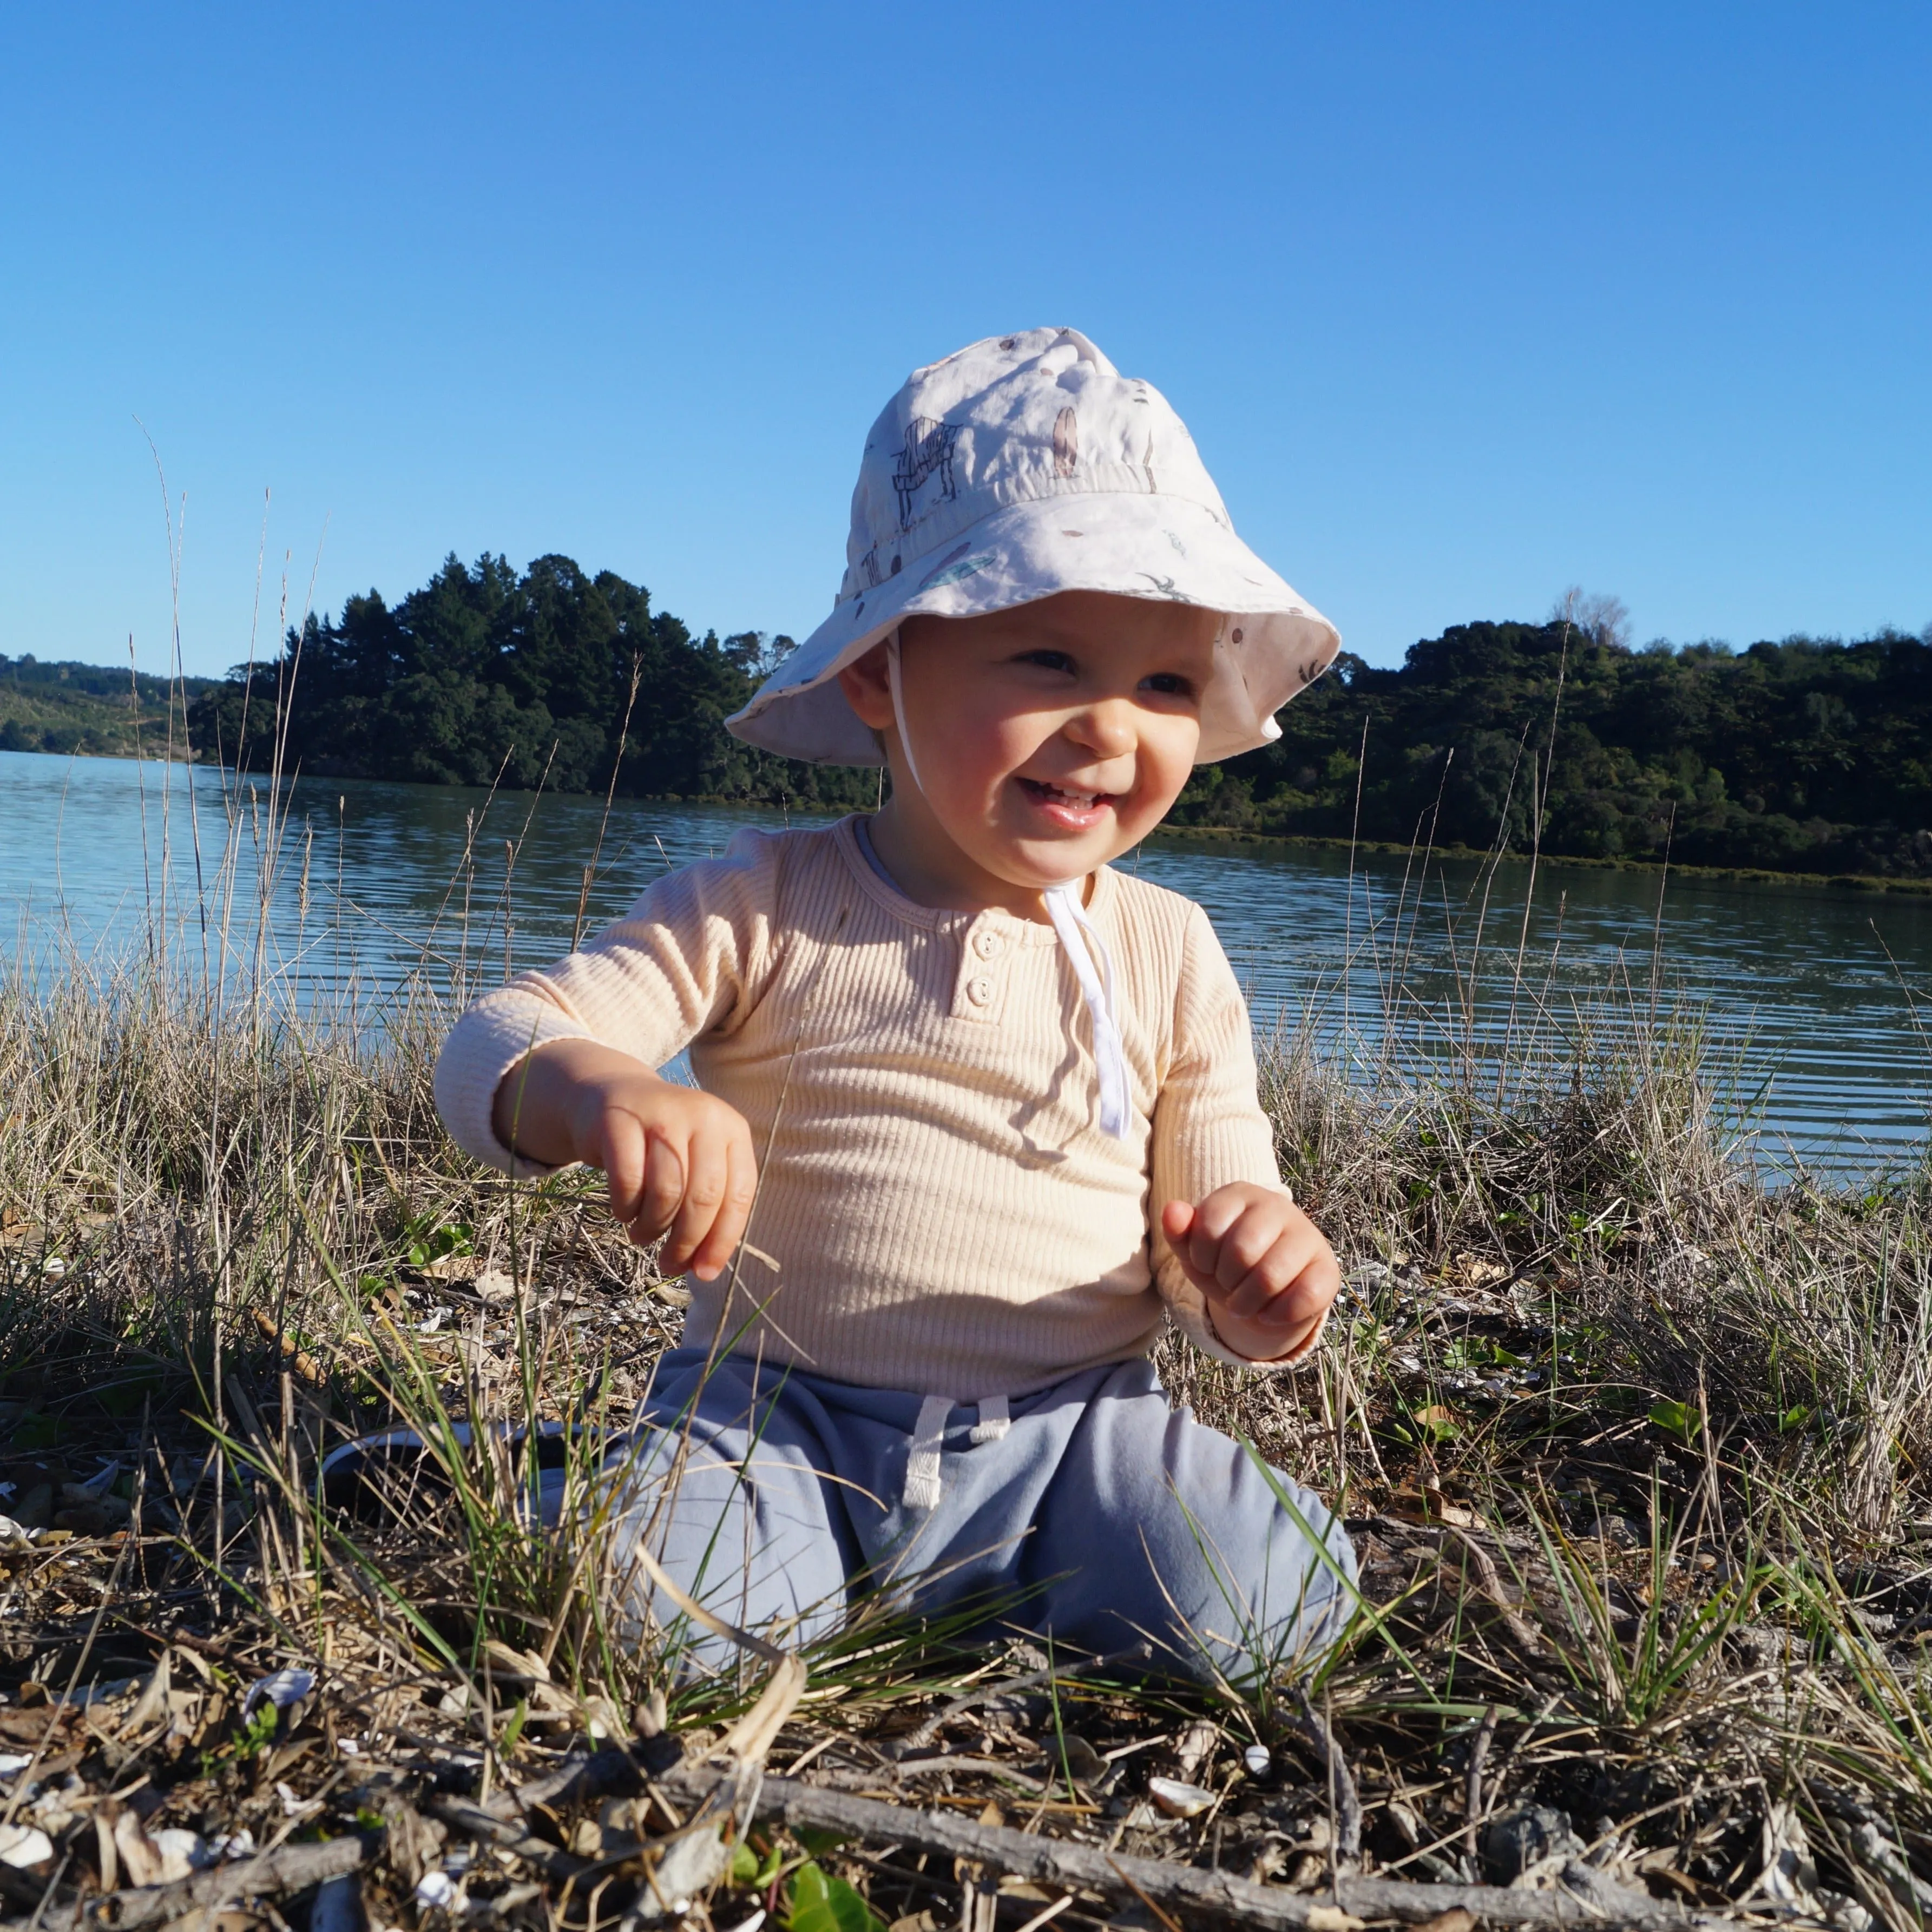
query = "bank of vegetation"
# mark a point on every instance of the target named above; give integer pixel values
(92, 711)
(1807, 755)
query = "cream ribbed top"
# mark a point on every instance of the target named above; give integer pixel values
(938, 1209)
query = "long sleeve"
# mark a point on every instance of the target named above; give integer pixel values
(687, 958)
(1209, 1129)
(937, 1208)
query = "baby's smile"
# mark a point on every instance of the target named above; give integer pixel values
(1076, 810)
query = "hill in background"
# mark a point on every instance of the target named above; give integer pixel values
(89, 709)
(1807, 755)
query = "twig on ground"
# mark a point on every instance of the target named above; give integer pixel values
(1472, 1796)
(1186, 1890)
(1345, 1799)
(291, 1868)
(1491, 1579)
(924, 1733)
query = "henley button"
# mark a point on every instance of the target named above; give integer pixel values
(986, 944)
(980, 990)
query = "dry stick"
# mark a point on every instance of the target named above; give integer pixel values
(1348, 905)
(1186, 1890)
(1496, 852)
(1657, 926)
(1539, 800)
(1472, 1793)
(925, 1732)
(609, 797)
(1344, 1801)
(288, 1868)
(1492, 1581)
(292, 1352)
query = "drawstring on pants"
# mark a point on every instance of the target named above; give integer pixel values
(928, 1435)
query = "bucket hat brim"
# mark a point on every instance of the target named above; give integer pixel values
(1272, 644)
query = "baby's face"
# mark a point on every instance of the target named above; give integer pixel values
(1049, 738)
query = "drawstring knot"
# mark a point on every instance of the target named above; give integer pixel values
(922, 1489)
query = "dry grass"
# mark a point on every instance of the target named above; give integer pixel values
(1636, 1450)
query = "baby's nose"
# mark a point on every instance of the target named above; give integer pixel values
(1107, 728)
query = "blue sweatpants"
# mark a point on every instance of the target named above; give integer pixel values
(1098, 1517)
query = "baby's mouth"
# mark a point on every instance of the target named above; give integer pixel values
(1063, 798)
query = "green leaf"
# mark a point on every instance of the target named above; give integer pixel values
(258, 1731)
(1677, 1418)
(818, 1904)
(744, 1864)
(514, 1730)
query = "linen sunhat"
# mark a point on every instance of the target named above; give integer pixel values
(1024, 466)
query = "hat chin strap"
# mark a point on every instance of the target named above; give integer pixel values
(1079, 939)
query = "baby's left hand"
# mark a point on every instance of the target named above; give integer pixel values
(1267, 1272)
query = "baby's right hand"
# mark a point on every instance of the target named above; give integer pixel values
(680, 1161)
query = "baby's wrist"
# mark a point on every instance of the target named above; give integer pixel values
(1251, 1339)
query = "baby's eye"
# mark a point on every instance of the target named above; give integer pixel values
(1049, 661)
(1169, 684)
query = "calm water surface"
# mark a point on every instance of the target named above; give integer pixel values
(1811, 998)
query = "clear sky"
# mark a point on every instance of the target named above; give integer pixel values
(1463, 303)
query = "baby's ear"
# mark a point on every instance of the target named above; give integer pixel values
(868, 689)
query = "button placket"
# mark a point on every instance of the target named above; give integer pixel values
(982, 980)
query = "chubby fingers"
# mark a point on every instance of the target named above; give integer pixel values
(720, 1183)
(1226, 1240)
(1256, 1257)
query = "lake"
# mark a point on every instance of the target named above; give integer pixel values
(1811, 998)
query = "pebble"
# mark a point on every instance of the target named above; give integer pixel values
(24, 1845)
(434, 1890)
(1177, 1800)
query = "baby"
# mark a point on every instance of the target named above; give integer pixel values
(976, 1113)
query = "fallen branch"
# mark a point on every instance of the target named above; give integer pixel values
(1343, 1798)
(293, 1353)
(288, 1868)
(1187, 1890)
(474, 1822)
(923, 1734)
(1472, 1794)
(1491, 1579)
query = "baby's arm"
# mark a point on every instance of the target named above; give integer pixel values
(679, 1161)
(557, 1067)
(1247, 1274)
(1266, 1271)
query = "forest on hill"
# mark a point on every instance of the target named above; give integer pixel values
(92, 710)
(1807, 755)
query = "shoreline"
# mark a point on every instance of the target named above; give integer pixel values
(1206, 835)
(1863, 882)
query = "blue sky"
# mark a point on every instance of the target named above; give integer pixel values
(1462, 303)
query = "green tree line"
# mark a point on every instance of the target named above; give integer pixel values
(1805, 755)
(1808, 754)
(483, 676)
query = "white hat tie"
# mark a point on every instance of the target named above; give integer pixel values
(1079, 939)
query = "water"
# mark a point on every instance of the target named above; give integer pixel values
(1806, 993)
